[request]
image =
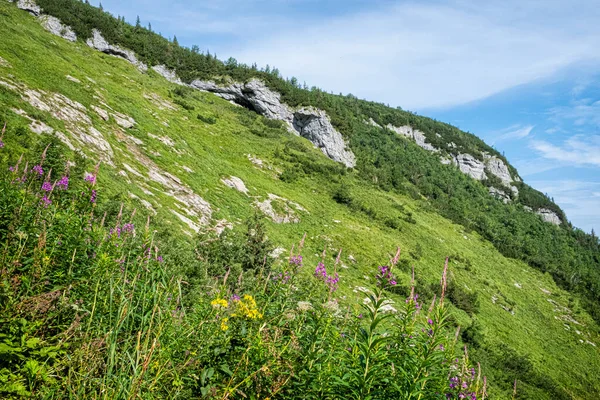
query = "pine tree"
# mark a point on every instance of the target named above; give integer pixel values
(137, 22)
(149, 26)
(100, 7)
(175, 42)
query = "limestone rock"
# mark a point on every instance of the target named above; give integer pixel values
(548, 216)
(168, 74)
(4, 63)
(285, 212)
(405, 130)
(101, 112)
(39, 127)
(471, 166)
(499, 194)
(99, 43)
(496, 166)
(309, 122)
(315, 125)
(72, 79)
(235, 183)
(54, 26)
(415, 134)
(372, 123)
(30, 7)
(123, 121)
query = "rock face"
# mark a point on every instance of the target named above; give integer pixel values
(496, 166)
(415, 134)
(310, 123)
(54, 26)
(99, 43)
(168, 74)
(315, 125)
(235, 183)
(548, 216)
(499, 194)
(30, 7)
(471, 166)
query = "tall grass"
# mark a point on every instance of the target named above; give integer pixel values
(92, 307)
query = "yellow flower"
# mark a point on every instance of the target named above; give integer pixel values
(219, 303)
(247, 308)
(224, 325)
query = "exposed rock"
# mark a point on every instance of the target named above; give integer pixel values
(496, 166)
(256, 161)
(447, 160)
(405, 130)
(285, 214)
(39, 127)
(221, 225)
(499, 194)
(235, 183)
(30, 7)
(101, 112)
(72, 79)
(373, 123)
(167, 141)
(123, 120)
(527, 208)
(514, 190)
(187, 169)
(168, 74)
(54, 26)
(420, 140)
(99, 43)
(308, 122)
(471, 166)
(548, 216)
(4, 63)
(192, 225)
(315, 125)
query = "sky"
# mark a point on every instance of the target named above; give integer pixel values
(524, 75)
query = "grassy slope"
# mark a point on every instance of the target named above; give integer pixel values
(41, 61)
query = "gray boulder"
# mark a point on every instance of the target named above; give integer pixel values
(168, 74)
(315, 125)
(548, 216)
(98, 42)
(496, 166)
(500, 195)
(471, 166)
(54, 26)
(30, 7)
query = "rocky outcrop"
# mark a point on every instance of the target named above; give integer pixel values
(496, 166)
(99, 43)
(309, 122)
(168, 74)
(283, 213)
(54, 26)
(415, 134)
(548, 216)
(235, 183)
(500, 195)
(30, 7)
(471, 166)
(315, 125)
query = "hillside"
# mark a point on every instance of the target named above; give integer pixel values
(350, 174)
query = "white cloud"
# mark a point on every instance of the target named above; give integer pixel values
(511, 133)
(422, 55)
(577, 150)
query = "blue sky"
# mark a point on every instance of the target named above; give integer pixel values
(523, 75)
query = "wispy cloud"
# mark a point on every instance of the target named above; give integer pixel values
(511, 133)
(577, 150)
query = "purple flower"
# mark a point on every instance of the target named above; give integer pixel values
(235, 297)
(38, 169)
(90, 178)
(1, 144)
(93, 197)
(296, 260)
(128, 227)
(45, 201)
(11, 169)
(429, 321)
(63, 183)
(159, 259)
(46, 186)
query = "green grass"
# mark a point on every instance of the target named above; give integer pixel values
(213, 151)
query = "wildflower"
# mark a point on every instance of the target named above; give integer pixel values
(224, 325)
(304, 306)
(90, 178)
(247, 308)
(320, 271)
(159, 259)
(128, 227)
(296, 260)
(63, 183)
(46, 186)
(429, 321)
(93, 197)
(45, 201)
(11, 169)
(1, 144)
(235, 297)
(385, 277)
(38, 169)
(219, 303)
